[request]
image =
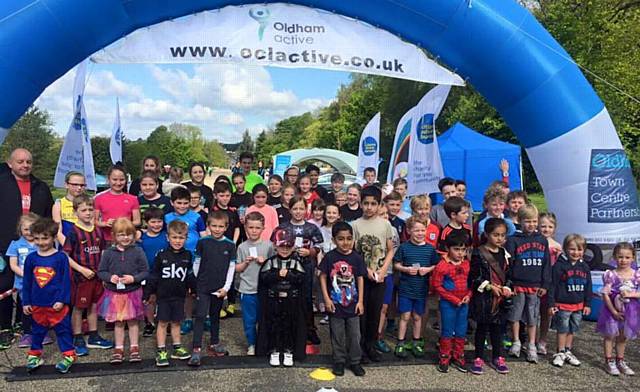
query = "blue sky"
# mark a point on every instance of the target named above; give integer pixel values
(223, 100)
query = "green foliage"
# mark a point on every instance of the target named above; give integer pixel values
(246, 144)
(101, 155)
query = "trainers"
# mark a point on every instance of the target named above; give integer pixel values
(195, 358)
(313, 338)
(324, 320)
(612, 369)
(117, 357)
(417, 348)
(251, 350)
(99, 342)
(162, 358)
(17, 328)
(288, 359)
(35, 361)
(6, 339)
(338, 369)
(358, 370)
(80, 347)
(401, 350)
(571, 359)
(500, 365)
(542, 348)
(231, 310)
(532, 354)
(148, 330)
(65, 364)
(274, 359)
(382, 346)
(624, 368)
(186, 326)
(180, 352)
(217, 350)
(25, 341)
(477, 367)
(373, 355)
(443, 367)
(47, 340)
(134, 355)
(459, 365)
(559, 359)
(515, 349)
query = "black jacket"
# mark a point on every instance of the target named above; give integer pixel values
(171, 276)
(530, 260)
(571, 283)
(481, 307)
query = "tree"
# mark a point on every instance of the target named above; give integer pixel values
(101, 154)
(215, 154)
(246, 144)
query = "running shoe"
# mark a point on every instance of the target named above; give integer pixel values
(571, 359)
(477, 367)
(25, 341)
(35, 361)
(180, 352)
(65, 364)
(80, 346)
(382, 346)
(162, 358)
(186, 327)
(99, 342)
(500, 365)
(624, 368)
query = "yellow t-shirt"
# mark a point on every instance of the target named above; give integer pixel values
(66, 210)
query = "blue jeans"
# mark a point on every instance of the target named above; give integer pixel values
(453, 319)
(250, 308)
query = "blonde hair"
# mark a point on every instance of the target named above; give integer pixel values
(575, 239)
(123, 225)
(29, 218)
(420, 201)
(527, 211)
(412, 221)
(550, 216)
(624, 246)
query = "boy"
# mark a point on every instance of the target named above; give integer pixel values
(515, 200)
(448, 189)
(46, 295)
(400, 185)
(222, 192)
(370, 177)
(152, 241)
(530, 273)
(195, 196)
(341, 198)
(569, 296)
(414, 259)
(314, 172)
(342, 269)
(84, 244)
(352, 210)
(217, 256)
(373, 238)
(251, 256)
(493, 202)
(397, 217)
(421, 209)
(461, 187)
(450, 283)
(337, 186)
(170, 280)
(457, 210)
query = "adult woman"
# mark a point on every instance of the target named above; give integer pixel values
(261, 169)
(149, 163)
(197, 173)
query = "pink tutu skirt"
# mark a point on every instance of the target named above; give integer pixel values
(609, 327)
(114, 306)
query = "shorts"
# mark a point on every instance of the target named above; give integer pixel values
(416, 306)
(86, 293)
(526, 308)
(565, 321)
(170, 310)
(388, 289)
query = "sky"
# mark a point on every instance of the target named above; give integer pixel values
(223, 100)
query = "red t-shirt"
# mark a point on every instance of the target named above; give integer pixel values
(112, 206)
(25, 194)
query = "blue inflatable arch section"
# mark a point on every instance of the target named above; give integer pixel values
(497, 45)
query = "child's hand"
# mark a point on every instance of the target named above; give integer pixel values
(618, 316)
(221, 293)
(114, 279)
(360, 308)
(371, 274)
(110, 222)
(506, 291)
(26, 309)
(260, 260)
(283, 272)
(58, 306)
(87, 273)
(541, 292)
(586, 311)
(303, 252)
(413, 271)
(329, 305)
(127, 279)
(553, 310)
(465, 300)
(496, 291)
(151, 300)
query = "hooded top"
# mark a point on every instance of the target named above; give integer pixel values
(530, 262)
(571, 285)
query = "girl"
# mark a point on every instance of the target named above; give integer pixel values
(174, 181)
(122, 269)
(288, 192)
(331, 216)
(260, 193)
(149, 184)
(275, 191)
(291, 175)
(352, 211)
(547, 227)
(197, 172)
(63, 208)
(619, 319)
(304, 189)
(115, 203)
(195, 205)
(488, 281)
(149, 163)
(317, 212)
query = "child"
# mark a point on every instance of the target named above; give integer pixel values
(174, 181)
(317, 212)
(343, 270)
(397, 217)
(222, 193)
(152, 241)
(149, 194)
(46, 295)
(493, 202)
(450, 283)
(241, 199)
(415, 259)
(331, 217)
(180, 198)
(282, 330)
(619, 319)
(251, 256)
(352, 211)
(197, 173)
(569, 297)
(150, 164)
(313, 172)
(530, 274)
(370, 176)
(275, 191)
(515, 200)
(547, 227)
(373, 237)
(115, 203)
(122, 269)
(291, 175)
(17, 253)
(62, 209)
(84, 245)
(195, 198)
(288, 192)
(170, 279)
(448, 189)
(260, 193)
(217, 259)
(400, 185)
(421, 209)
(341, 198)
(337, 186)
(309, 195)
(490, 287)
(457, 210)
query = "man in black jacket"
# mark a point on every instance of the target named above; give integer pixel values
(21, 193)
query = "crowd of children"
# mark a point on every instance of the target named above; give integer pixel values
(368, 254)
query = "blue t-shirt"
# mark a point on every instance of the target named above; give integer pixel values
(20, 248)
(195, 223)
(153, 245)
(511, 228)
(342, 273)
(410, 254)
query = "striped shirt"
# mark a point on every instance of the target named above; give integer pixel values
(410, 254)
(85, 247)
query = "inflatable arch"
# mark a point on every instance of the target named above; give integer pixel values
(497, 45)
(342, 161)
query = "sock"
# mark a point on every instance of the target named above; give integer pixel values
(176, 346)
(162, 348)
(618, 359)
(567, 348)
(121, 348)
(93, 334)
(77, 336)
(608, 359)
(133, 348)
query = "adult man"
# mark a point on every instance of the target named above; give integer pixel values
(253, 178)
(21, 193)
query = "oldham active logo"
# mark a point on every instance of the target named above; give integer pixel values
(369, 146)
(260, 15)
(424, 130)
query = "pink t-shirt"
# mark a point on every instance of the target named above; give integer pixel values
(270, 220)
(112, 206)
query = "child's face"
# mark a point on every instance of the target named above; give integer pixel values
(462, 190)
(284, 251)
(337, 186)
(498, 236)
(401, 189)
(298, 211)
(344, 241)
(194, 200)
(197, 175)
(305, 185)
(313, 177)
(370, 207)
(457, 253)
(75, 186)
(353, 196)
(239, 184)
(318, 214)
(422, 212)
(253, 229)
(148, 187)
(223, 198)
(418, 233)
(624, 258)
(260, 199)
(180, 206)
(574, 252)
(288, 194)
(123, 239)
(529, 225)
(176, 240)
(43, 241)
(275, 187)
(341, 199)
(462, 216)
(25, 230)
(383, 212)
(217, 227)
(155, 225)
(370, 177)
(150, 165)
(117, 181)
(515, 204)
(547, 228)
(393, 207)
(332, 214)
(495, 208)
(85, 213)
(449, 191)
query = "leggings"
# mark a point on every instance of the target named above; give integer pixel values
(495, 333)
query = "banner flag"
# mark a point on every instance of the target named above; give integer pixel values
(279, 35)
(76, 154)
(425, 166)
(115, 146)
(369, 146)
(400, 152)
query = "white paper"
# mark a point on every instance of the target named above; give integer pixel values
(253, 252)
(299, 242)
(120, 286)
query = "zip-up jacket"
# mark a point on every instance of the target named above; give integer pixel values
(571, 284)
(530, 261)
(131, 261)
(172, 275)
